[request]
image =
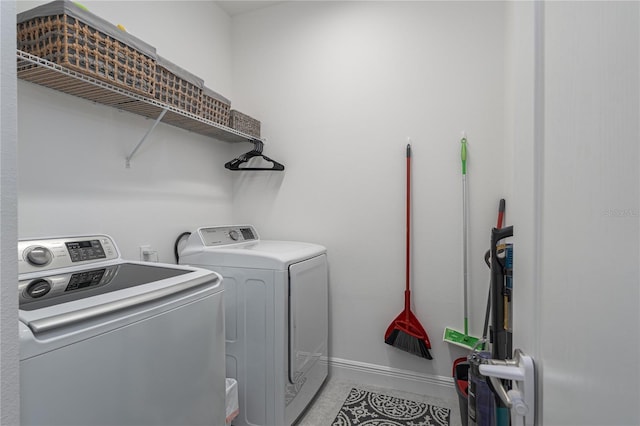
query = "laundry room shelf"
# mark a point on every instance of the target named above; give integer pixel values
(40, 71)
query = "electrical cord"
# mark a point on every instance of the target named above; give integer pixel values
(175, 246)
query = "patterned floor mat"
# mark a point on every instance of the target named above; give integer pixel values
(364, 408)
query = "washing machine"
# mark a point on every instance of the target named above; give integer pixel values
(105, 341)
(276, 318)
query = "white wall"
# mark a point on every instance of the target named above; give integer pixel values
(9, 348)
(72, 175)
(339, 86)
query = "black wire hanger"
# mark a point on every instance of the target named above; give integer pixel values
(255, 152)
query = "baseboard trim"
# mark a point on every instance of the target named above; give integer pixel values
(394, 378)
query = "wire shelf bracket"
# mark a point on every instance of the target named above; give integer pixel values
(144, 138)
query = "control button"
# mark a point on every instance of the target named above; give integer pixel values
(38, 288)
(234, 235)
(38, 255)
(247, 234)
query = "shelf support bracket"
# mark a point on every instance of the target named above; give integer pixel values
(144, 138)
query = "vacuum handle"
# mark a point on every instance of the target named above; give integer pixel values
(501, 209)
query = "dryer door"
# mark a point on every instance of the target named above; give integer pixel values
(308, 315)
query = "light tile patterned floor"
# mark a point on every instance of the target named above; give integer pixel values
(327, 403)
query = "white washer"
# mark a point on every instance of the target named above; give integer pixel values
(104, 341)
(276, 318)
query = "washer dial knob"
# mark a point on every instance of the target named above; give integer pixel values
(234, 235)
(38, 255)
(38, 288)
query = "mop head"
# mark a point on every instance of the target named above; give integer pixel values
(459, 339)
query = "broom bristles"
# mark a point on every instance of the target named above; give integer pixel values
(406, 342)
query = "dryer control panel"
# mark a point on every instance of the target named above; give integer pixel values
(225, 235)
(53, 253)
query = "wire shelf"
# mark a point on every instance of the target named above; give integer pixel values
(45, 73)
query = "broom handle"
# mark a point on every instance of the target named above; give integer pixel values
(407, 293)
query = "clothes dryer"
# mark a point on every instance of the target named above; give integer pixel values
(276, 318)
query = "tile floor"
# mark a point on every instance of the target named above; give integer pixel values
(327, 403)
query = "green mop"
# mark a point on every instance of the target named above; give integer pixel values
(450, 335)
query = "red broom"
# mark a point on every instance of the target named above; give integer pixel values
(406, 332)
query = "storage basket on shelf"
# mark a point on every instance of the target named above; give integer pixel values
(214, 107)
(178, 87)
(244, 123)
(64, 33)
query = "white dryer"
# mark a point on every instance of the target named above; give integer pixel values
(276, 318)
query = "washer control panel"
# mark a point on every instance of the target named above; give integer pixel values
(50, 286)
(225, 235)
(53, 253)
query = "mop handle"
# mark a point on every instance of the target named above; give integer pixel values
(463, 155)
(463, 158)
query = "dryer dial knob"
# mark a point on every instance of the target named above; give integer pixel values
(38, 288)
(234, 235)
(38, 255)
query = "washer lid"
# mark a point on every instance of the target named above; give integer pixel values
(52, 290)
(127, 287)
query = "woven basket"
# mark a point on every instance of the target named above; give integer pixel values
(69, 36)
(243, 123)
(214, 107)
(178, 87)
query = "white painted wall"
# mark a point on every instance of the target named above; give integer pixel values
(339, 86)
(72, 175)
(9, 348)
